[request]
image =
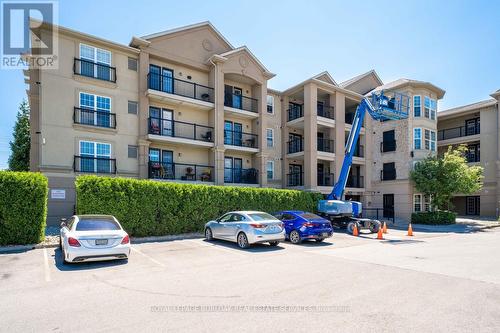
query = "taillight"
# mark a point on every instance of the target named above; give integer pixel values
(73, 242)
(309, 224)
(258, 226)
(126, 240)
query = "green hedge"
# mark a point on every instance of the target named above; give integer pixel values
(437, 217)
(23, 207)
(153, 208)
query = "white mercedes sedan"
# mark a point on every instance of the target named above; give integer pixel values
(246, 228)
(92, 238)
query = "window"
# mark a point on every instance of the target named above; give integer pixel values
(433, 109)
(95, 157)
(132, 151)
(417, 109)
(96, 62)
(270, 169)
(95, 110)
(433, 141)
(417, 138)
(270, 104)
(133, 107)
(270, 137)
(132, 64)
(430, 108)
(421, 203)
(430, 140)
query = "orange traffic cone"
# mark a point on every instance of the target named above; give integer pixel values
(380, 235)
(355, 231)
(384, 229)
(410, 230)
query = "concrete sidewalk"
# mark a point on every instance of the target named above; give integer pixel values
(463, 225)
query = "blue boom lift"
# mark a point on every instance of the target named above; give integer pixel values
(348, 213)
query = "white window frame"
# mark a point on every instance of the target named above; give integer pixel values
(95, 155)
(415, 138)
(94, 59)
(271, 163)
(95, 105)
(272, 104)
(419, 105)
(424, 202)
(267, 137)
(430, 142)
(433, 141)
(433, 109)
(415, 196)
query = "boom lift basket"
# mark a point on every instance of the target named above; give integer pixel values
(393, 106)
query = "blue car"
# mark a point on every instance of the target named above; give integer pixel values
(301, 225)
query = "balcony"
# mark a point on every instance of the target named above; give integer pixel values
(240, 139)
(295, 146)
(181, 132)
(355, 181)
(326, 179)
(295, 113)
(174, 86)
(326, 111)
(388, 174)
(83, 116)
(457, 132)
(241, 102)
(349, 117)
(241, 176)
(359, 151)
(180, 171)
(326, 145)
(94, 70)
(387, 146)
(295, 179)
(91, 164)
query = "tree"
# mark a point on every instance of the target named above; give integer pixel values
(19, 159)
(443, 177)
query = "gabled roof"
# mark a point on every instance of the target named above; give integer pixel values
(326, 77)
(360, 77)
(404, 82)
(496, 94)
(254, 58)
(189, 27)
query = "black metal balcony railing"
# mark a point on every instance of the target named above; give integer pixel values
(96, 118)
(387, 146)
(326, 179)
(388, 174)
(93, 164)
(326, 145)
(241, 102)
(180, 129)
(93, 69)
(295, 113)
(180, 87)
(349, 117)
(295, 179)
(326, 111)
(240, 139)
(295, 146)
(457, 132)
(180, 171)
(355, 181)
(359, 151)
(241, 176)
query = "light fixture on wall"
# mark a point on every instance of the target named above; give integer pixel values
(179, 154)
(189, 77)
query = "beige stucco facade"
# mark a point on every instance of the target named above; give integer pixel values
(202, 112)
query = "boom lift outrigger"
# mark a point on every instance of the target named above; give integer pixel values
(348, 213)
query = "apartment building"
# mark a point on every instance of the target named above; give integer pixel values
(184, 105)
(477, 126)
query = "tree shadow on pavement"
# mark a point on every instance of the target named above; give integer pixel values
(255, 248)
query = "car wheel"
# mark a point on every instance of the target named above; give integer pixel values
(374, 227)
(242, 241)
(208, 234)
(60, 242)
(274, 243)
(319, 240)
(295, 237)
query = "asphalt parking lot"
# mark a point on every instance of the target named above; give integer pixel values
(429, 282)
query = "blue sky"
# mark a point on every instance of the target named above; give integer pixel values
(453, 44)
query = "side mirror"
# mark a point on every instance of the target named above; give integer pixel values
(63, 222)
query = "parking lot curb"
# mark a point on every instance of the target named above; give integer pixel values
(21, 248)
(153, 239)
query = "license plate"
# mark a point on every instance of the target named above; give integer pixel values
(324, 234)
(101, 242)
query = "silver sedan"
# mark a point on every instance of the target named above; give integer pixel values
(246, 228)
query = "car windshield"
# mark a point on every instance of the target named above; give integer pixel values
(96, 224)
(262, 217)
(310, 216)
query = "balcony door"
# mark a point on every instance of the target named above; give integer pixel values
(295, 171)
(233, 169)
(161, 163)
(472, 126)
(388, 205)
(161, 121)
(472, 205)
(295, 143)
(233, 133)
(161, 78)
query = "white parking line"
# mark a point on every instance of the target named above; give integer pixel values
(46, 265)
(216, 247)
(146, 256)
